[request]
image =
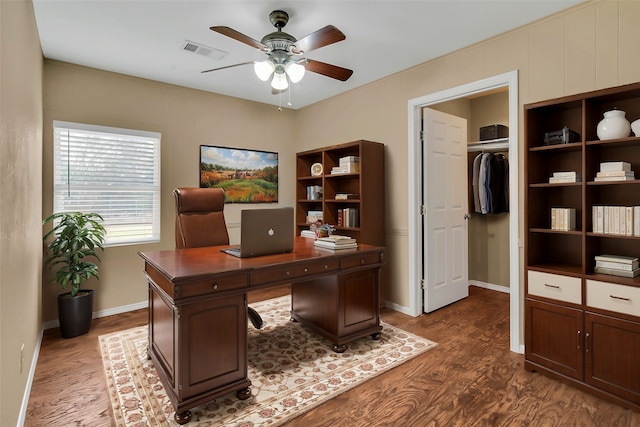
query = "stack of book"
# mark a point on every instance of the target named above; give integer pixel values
(308, 234)
(617, 265)
(348, 164)
(563, 219)
(561, 177)
(336, 242)
(615, 171)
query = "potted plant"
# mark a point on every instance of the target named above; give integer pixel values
(76, 237)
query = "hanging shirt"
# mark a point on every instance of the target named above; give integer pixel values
(474, 183)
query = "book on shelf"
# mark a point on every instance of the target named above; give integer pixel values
(314, 192)
(614, 178)
(616, 272)
(615, 173)
(348, 217)
(570, 174)
(559, 177)
(554, 180)
(563, 219)
(346, 196)
(618, 265)
(615, 166)
(618, 220)
(616, 258)
(349, 168)
(346, 160)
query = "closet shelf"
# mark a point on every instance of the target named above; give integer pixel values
(499, 144)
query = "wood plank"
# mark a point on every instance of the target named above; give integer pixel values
(471, 378)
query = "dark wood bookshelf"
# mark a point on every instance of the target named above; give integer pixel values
(581, 327)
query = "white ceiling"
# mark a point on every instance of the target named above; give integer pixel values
(145, 38)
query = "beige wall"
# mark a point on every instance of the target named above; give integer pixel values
(588, 47)
(21, 195)
(186, 118)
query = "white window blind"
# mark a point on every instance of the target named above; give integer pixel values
(110, 171)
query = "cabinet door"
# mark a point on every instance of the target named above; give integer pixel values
(612, 350)
(553, 337)
(359, 300)
(213, 344)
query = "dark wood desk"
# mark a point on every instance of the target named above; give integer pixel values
(198, 310)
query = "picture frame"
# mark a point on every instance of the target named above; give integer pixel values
(245, 175)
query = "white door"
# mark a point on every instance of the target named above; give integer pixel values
(444, 197)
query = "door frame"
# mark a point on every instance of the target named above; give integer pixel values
(509, 80)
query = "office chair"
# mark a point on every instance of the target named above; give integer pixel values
(200, 222)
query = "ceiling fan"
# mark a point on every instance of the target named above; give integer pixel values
(285, 53)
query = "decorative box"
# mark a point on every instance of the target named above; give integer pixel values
(493, 132)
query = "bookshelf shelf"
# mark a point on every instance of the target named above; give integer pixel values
(565, 299)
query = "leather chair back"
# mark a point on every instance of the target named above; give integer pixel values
(200, 217)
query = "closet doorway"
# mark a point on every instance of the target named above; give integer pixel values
(449, 101)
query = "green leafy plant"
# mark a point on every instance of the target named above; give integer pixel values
(76, 237)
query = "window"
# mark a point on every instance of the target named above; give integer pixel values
(113, 172)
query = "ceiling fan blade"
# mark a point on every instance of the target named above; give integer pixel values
(227, 66)
(236, 35)
(323, 37)
(328, 70)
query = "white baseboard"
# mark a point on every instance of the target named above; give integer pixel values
(405, 310)
(490, 286)
(397, 307)
(103, 313)
(27, 390)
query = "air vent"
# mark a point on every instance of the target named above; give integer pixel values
(200, 49)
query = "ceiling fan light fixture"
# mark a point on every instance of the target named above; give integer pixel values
(279, 81)
(295, 71)
(264, 69)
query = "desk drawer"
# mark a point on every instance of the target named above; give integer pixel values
(613, 297)
(281, 274)
(555, 286)
(361, 259)
(212, 285)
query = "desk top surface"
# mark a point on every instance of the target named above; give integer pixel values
(179, 264)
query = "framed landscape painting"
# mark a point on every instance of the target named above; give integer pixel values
(246, 176)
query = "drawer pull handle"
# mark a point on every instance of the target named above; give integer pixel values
(306, 269)
(620, 298)
(215, 285)
(326, 267)
(362, 261)
(288, 274)
(552, 286)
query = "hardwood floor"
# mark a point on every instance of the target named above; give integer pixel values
(470, 379)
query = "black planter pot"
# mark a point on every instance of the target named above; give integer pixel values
(75, 313)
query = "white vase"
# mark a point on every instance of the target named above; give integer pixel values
(614, 125)
(635, 126)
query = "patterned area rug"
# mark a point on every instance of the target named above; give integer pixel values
(292, 370)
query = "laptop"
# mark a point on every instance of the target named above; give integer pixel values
(264, 232)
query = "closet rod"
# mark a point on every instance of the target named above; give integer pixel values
(490, 146)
